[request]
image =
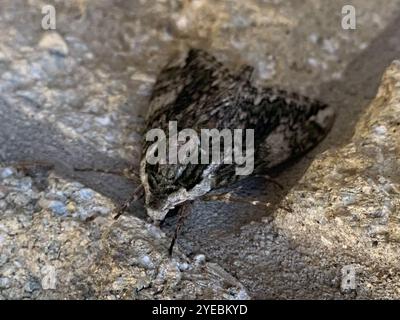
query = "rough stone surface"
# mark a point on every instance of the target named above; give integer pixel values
(62, 243)
(346, 208)
(74, 97)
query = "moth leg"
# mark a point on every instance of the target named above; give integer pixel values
(269, 179)
(183, 213)
(23, 165)
(137, 194)
(245, 72)
(228, 198)
(107, 171)
(129, 173)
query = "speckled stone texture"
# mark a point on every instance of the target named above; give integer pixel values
(346, 209)
(61, 242)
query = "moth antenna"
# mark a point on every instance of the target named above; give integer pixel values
(246, 72)
(269, 179)
(183, 214)
(34, 163)
(228, 198)
(116, 172)
(137, 194)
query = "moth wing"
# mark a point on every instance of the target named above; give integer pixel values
(182, 82)
(297, 123)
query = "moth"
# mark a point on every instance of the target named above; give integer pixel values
(199, 92)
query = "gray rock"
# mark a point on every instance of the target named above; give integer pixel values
(57, 207)
(3, 257)
(199, 259)
(5, 283)
(32, 285)
(22, 200)
(6, 172)
(53, 42)
(49, 279)
(355, 190)
(62, 257)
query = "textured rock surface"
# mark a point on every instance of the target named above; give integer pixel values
(73, 97)
(61, 242)
(346, 208)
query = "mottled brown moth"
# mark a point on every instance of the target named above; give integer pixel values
(197, 91)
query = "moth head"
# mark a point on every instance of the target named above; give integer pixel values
(168, 185)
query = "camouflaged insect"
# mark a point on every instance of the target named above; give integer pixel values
(199, 92)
